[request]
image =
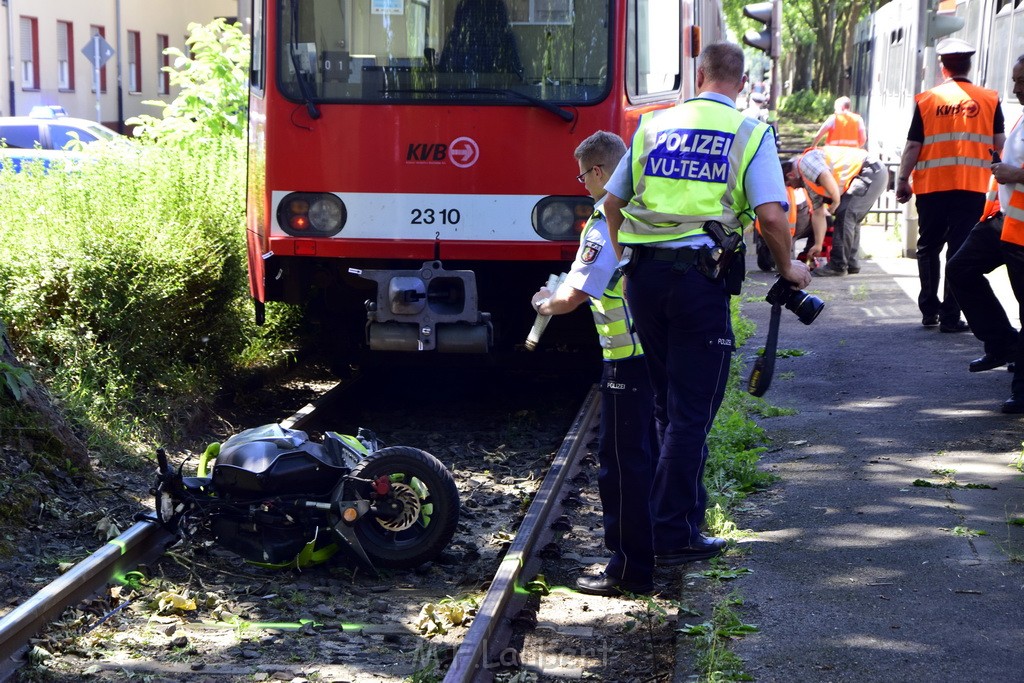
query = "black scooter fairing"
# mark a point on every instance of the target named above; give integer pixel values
(274, 460)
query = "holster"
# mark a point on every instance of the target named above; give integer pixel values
(628, 262)
(726, 260)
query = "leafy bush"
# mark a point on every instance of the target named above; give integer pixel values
(121, 275)
(807, 104)
(213, 98)
(124, 273)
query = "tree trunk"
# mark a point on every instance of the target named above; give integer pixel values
(852, 18)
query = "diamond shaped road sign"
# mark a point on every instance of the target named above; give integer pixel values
(97, 51)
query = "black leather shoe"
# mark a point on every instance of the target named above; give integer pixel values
(609, 586)
(958, 326)
(930, 320)
(853, 270)
(704, 549)
(1014, 405)
(988, 362)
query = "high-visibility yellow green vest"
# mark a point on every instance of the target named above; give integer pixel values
(611, 314)
(689, 163)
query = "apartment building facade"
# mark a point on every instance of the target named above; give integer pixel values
(42, 43)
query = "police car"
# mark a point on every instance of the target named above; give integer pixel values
(45, 135)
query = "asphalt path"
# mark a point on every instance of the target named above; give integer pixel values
(860, 573)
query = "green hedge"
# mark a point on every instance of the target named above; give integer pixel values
(124, 280)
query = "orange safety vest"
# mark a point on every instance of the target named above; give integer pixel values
(844, 162)
(1013, 217)
(991, 200)
(845, 131)
(791, 215)
(958, 131)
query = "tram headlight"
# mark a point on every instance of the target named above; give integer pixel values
(311, 214)
(327, 214)
(561, 218)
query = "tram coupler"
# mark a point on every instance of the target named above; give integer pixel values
(427, 309)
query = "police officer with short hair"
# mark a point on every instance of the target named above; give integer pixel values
(697, 173)
(947, 149)
(627, 439)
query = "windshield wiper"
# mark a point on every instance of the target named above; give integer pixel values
(558, 111)
(300, 77)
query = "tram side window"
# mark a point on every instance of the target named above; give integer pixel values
(895, 64)
(257, 68)
(653, 51)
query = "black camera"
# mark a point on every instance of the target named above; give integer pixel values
(805, 306)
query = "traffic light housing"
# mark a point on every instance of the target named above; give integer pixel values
(769, 39)
(942, 24)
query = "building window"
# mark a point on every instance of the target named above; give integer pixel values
(29, 53)
(65, 56)
(134, 62)
(102, 33)
(163, 79)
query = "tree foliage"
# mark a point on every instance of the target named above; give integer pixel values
(826, 27)
(817, 40)
(213, 98)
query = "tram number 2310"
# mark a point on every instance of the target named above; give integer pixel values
(432, 216)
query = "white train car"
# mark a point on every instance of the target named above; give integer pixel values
(893, 61)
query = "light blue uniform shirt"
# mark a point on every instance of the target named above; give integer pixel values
(763, 182)
(595, 261)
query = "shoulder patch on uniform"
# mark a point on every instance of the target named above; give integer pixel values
(590, 251)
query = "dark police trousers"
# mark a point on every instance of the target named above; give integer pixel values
(627, 444)
(943, 218)
(684, 324)
(981, 253)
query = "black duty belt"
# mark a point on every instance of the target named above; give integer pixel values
(684, 255)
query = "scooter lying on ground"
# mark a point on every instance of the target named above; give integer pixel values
(278, 499)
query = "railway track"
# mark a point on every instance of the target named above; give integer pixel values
(473, 653)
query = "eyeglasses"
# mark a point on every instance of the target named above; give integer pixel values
(582, 177)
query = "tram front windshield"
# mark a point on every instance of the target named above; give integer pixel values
(443, 50)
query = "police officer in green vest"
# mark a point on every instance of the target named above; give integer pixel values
(696, 175)
(626, 442)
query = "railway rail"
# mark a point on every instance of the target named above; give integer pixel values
(473, 659)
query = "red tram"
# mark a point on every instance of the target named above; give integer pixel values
(411, 180)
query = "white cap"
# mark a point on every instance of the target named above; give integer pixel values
(954, 46)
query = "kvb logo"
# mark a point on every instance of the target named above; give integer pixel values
(461, 152)
(966, 108)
